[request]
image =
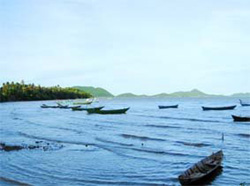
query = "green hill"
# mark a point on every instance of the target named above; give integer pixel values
(100, 92)
(239, 95)
(96, 92)
(162, 95)
(192, 93)
(129, 95)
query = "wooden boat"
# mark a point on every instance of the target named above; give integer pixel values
(47, 106)
(166, 107)
(241, 119)
(59, 106)
(244, 104)
(116, 111)
(82, 103)
(70, 107)
(87, 102)
(219, 108)
(85, 109)
(63, 107)
(200, 171)
(74, 107)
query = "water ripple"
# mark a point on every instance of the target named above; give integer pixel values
(142, 138)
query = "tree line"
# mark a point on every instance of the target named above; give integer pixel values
(30, 92)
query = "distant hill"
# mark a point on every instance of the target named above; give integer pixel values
(162, 95)
(129, 95)
(100, 92)
(96, 92)
(241, 95)
(192, 93)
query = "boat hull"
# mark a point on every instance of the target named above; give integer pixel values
(244, 104)
(86, 109)
(219, 108)
(117, 111)
(241, 119)
(47, 106)
(202, 170)
(166, 107)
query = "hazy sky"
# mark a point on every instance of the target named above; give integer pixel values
(139, 46)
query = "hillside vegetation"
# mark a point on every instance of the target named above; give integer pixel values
(29, 92)
(96, 92)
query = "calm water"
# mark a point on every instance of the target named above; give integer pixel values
(146, 146)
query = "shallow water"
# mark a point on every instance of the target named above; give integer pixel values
(146, 146)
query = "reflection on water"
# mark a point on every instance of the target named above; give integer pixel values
(146, 146)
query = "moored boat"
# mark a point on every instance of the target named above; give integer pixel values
(241, 119)
(70, 107)
(114, 111)
(219, 108)
(244, 104)
(87, 102)
(47, 106)
(85, 109)
(201, 170)
(63, 106)
(59, 106)
(168, 106)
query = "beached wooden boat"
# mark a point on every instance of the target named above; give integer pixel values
(200, 171)
(244, 104)
(168, 106)
(219, 108)
(116, 111)
(241, 119)
(85, 109)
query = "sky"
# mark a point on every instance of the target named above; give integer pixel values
(138, 46)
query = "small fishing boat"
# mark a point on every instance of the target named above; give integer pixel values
(67, 107)
(47, 106)
(201, 170)
(63, 107)
(70, 107)
(82, 103)
(59, 106)
(241, 119)
(244, 104)
(219, 108)
(168, 106)
(85, 109)
(75, 107)
(116, 111)
(87, 102)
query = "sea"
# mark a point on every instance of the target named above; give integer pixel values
(145, 146)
